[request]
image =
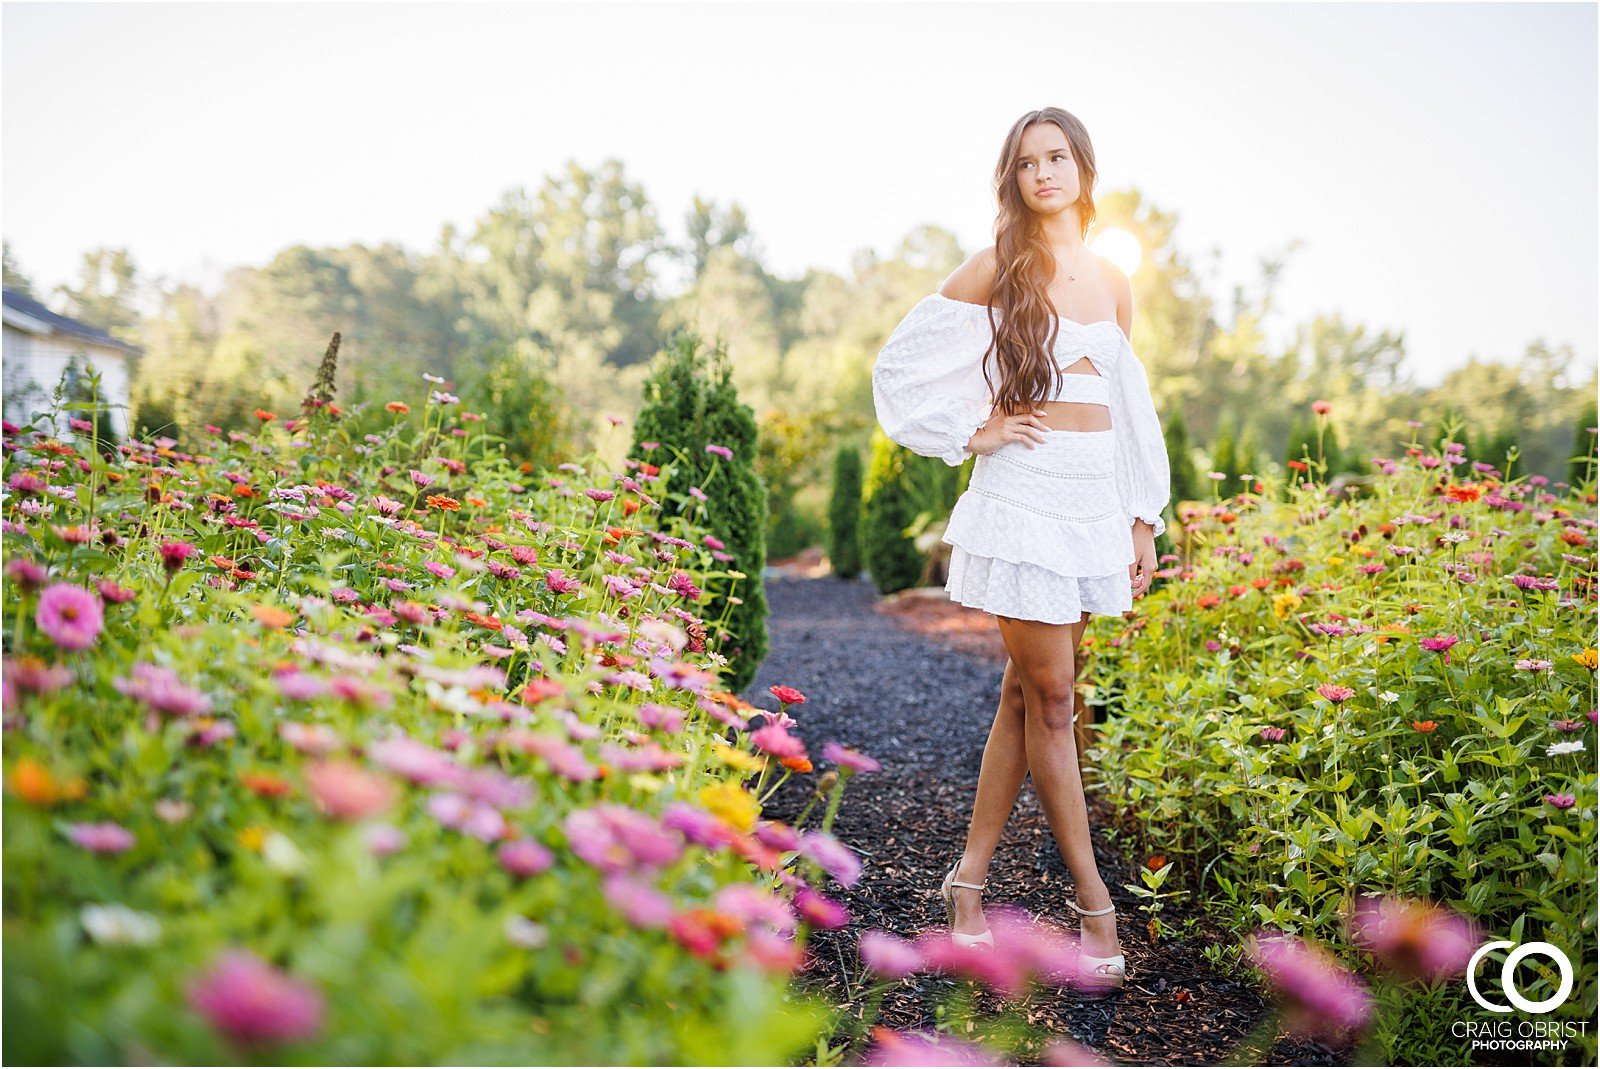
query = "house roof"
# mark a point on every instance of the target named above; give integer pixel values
(27, 314)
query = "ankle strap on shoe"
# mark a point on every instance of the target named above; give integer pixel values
(974, 886)
(1080, 911)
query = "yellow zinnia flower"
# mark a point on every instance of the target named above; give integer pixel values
(1588, 658)
(731, 804)
(1285, 603)
(743, 760)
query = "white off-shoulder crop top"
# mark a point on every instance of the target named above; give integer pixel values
(930, 395)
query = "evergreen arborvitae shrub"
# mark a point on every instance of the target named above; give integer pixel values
(1186, 482)
(892, 502)
(1223, 458)
(1581, 466)
(690, 403)
(844, 514)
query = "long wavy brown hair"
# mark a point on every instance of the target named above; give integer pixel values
(1025, 334)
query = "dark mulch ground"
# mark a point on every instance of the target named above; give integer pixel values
(914, 684)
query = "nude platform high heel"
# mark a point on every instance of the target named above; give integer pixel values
(983, 939)
(1105, 975)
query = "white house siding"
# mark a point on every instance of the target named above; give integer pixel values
(33, 365)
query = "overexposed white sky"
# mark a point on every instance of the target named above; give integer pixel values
(1439, 161)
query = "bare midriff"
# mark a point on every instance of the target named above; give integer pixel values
(1076, 415)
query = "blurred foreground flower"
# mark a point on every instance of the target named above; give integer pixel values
(1417, 939)
(253, 1003)
(917, 1048)
(1323, 999)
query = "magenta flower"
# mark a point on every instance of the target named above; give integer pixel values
(890, 1048)
(114, 594)
(848, 759)
(754, 905)
(461, 813)
(1561, 801)
(1272, 734)
(107, 837)
(615, 838)
(888, 955)
(720, 450)
(834, 857)
(776, 835)
(1323, 999)
(697, 825)
(643, 905)
(253, 1003)
(1415, 938)
(173, 554)
(820, 910)
(300, 686)
(69, 616)
(32, 676)
(774, 740)
(524, 857)
(1529, 664)
(160, 692)
(559, 583)
(1439, 643)
(667, 719)
(600, 495)
(1335, 693)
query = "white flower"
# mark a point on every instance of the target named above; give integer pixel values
(282, 855)
(1388, 697)
(1557, 749)
(522, 932)
(117, 924)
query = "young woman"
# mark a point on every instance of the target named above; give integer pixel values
(1022, 358)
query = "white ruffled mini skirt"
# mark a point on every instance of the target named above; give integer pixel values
(1039, 534)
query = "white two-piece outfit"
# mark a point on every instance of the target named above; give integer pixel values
(1042, 533)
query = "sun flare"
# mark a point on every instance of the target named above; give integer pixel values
(1120, 247)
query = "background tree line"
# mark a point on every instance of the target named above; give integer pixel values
(546, 311)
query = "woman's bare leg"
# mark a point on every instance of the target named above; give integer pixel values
(1045, 659)
(1005, 764)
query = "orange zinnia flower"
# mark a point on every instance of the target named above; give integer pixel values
(398, 406)
(1424, 726)
(444, 503)
(264, 416)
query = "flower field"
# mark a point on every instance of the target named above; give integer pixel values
(1369, 722)
(345, 741)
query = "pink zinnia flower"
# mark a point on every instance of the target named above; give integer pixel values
(835, 858)
(70, 616)
(1272, 734)
(664, 718)
(774, 740)
(524, 857)
(1439, 643)
(346, 791)
(107, 837)
(1415, 938)
(173, 554)
(888, 955)
(1324, 1000)
(891, 1048)
(252, 1002)
(643, 905)
(384, 839)
(1561, 801)
(558, 582)
(1335, 693)
(32, 676)
(847, 758)
(316, 739)
(113, 593)
(720, 450)
(158, 688)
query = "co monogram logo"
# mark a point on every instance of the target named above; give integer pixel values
(1508, 977)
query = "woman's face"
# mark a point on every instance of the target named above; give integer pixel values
(1047, 175)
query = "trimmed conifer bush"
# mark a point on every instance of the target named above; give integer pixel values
(844, 514)
(892, 503)
(692, 415)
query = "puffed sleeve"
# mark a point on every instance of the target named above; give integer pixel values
(1144, 478)
(927, 383)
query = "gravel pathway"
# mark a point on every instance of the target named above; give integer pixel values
(923, 709)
